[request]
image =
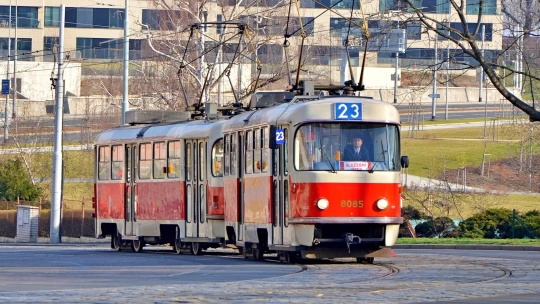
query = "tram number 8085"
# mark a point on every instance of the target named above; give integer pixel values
(352, 204)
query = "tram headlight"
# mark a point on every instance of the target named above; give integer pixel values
(382, 203)
(323, 203)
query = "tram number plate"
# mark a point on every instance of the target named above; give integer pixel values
(347, 111)
(280, 136)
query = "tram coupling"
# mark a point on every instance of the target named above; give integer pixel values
(351, 239)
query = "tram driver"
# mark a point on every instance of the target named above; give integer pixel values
(354, 151)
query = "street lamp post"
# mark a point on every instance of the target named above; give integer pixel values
(433, 95)
(6, 109)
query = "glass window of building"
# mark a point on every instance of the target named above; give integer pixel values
(489, 7)
(52, 16)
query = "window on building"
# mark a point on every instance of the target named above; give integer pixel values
(341, 4)
(219, 27)
(105, 48)
(23, 44)
(340, 26)
(86, 17)
(489, 7)
(49, 43)
(471, 27)
(21, 16)
(270, 53)
(428, 6)
(276, 25)
(414, 31)
(52, 16)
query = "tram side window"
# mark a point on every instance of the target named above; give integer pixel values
(117, 162)
(234, 161)
(265, 146)
(217, 158)
(160, 160)
(256, 151)
(174, 162)
(286, 152)
(188, 159)
(227, 155)
(104, 163)
(249, 152)
(145, 161)
(202, 159)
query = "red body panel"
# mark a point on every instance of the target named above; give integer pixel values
(346, 200)
(110, 200)
(230, 192)
(215, 204)
(160, 201)
(258, 199)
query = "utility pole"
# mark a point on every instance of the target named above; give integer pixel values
(6, 109)
(397, 65)
(434, 96)
(447, 78)
(202, 32)
(15, 62)
(57, 154)
(482, 69)
(125, 91)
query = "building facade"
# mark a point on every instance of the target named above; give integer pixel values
(94, 30)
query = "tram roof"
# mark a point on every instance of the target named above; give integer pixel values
(184, 129)
(315, 109)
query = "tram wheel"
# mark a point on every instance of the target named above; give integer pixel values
(365, 260)
(257, 253)
(177, 245)
(116, 242)
(243, 252)
(291, 257)
(137, 245)
(195, 248)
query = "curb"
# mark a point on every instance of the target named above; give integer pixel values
(46, 241)
(468, 247)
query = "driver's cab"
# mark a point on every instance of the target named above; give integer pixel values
(331, 146)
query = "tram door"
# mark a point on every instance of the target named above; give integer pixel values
(240, 191)
(130, 169)
(280, 188)
(195, 188)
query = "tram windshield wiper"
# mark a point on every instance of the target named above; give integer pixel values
(327, 159)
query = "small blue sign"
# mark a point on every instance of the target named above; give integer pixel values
(5, 86)
(347, 111)
(280, 137)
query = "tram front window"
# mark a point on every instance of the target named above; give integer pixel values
(347, 147)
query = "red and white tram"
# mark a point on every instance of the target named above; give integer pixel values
(279, 178)
(153, 185)
(289, 189)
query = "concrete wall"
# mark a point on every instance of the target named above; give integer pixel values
(420, 95)
(35, 79)
(91, 106)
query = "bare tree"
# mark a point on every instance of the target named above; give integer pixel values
(464, 32)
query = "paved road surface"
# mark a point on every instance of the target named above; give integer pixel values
(95, 274)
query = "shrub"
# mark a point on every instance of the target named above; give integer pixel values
(490, 224)
(439, 227)
(15, 182)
